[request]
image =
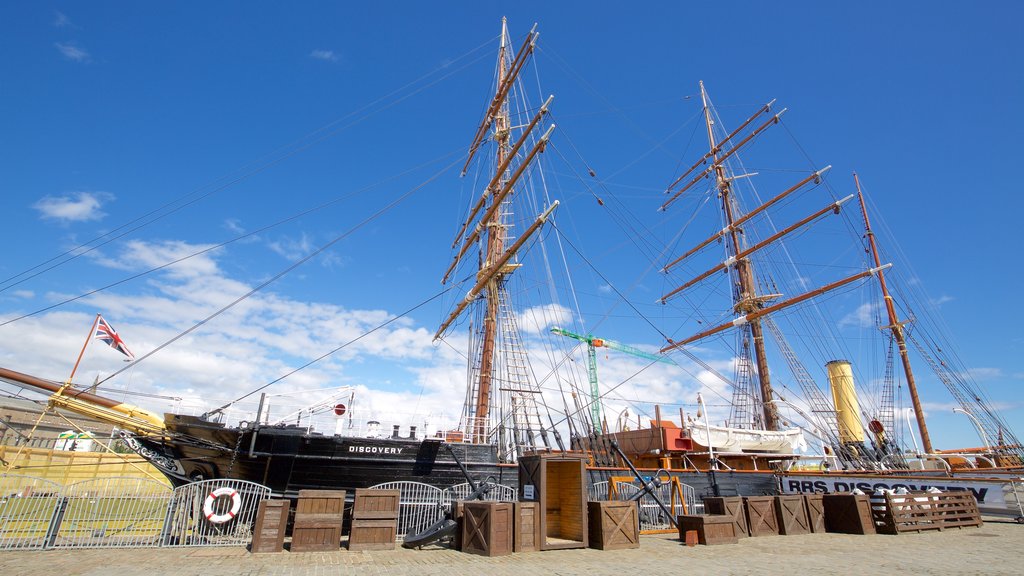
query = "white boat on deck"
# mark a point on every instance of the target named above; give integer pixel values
(725, 439)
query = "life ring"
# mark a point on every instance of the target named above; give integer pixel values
(236, 504)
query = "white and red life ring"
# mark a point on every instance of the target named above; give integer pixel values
(236, 504)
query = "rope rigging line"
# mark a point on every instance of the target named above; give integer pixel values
(214, 247)
(257, 166)
(335, 350)
(290, 268)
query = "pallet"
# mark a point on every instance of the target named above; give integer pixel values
(920, 511)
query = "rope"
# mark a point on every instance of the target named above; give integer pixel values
(228, 242)
(287, 270)
(299, 145)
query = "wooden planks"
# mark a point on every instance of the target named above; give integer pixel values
(271, 524)
(318, 519)
(374, 519)
(372, 504)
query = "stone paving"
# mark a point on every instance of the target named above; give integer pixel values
(994, 548)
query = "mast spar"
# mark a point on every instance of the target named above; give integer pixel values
(501, 399)
(746, 298)
(896, 327)
(752, 309)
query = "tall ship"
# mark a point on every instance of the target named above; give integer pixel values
(818, 373)
(500, 418)
(785, 389)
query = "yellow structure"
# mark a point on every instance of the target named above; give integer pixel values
(840, 378)
(67, 467)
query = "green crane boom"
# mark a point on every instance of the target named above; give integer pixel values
(593, 343)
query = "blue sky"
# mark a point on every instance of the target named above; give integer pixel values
(112, 110)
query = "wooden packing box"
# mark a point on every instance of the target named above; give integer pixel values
(711, 529)
(761, 518)
(815, 512)
(527, 527)
(848, 513)
(487, 528)
(613, 525)
(371, 504)
(791, 510)
(373, 534)
(271, 524)
(730, 506)
(558, 482)
(318, 518)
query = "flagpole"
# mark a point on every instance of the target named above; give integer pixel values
(92, 331)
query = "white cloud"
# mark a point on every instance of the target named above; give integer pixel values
(292, 249)
(60, 20)
(985, 373)
(540, 318)
(138, 255)
(74, 207)
(234, 226)
(251, 344)
(72, 52)
(327, 55)
(936, 302)
(865, 316)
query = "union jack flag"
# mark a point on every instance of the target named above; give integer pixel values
(106, 333)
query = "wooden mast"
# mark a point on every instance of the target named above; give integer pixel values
(896, 327)
(486, 227)
(747, 300)
(495, 247)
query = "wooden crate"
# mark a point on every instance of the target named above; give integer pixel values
(761, 517)
(271, 524)
(373, 534)
(373, 504)
(487, 528)
(527, 527)
(557, 481)
(731, 506)
(318, 518)
(815, 512)
(791, 510)
(457, 514)
(848, 513)
(919, 511)
(613, 525)
(711, 529)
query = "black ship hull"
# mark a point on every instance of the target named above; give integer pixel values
(288, 459)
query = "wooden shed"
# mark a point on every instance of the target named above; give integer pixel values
(557, 481)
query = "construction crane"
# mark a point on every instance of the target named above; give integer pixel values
(593, 343)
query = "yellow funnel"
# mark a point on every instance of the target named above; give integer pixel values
(840, 377)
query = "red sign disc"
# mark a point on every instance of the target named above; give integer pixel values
(339, 409)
